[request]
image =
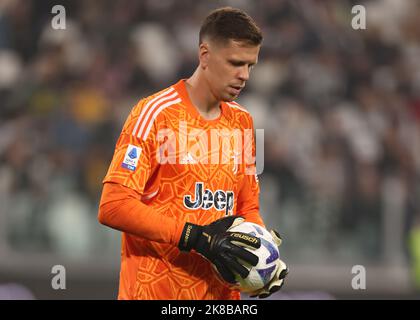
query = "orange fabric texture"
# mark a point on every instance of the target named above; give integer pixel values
(122, 209)
(159, 179)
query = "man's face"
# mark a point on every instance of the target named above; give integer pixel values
(227, 66)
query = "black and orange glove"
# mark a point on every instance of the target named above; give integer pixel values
(221, 247)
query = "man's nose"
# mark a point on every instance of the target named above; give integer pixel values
(244, 73)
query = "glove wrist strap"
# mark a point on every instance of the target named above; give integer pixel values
(189, 236)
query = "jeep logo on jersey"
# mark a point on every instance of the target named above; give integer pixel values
(220, 200)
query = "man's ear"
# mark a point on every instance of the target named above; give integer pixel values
(203, 55)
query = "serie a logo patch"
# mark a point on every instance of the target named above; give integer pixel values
(131, 158)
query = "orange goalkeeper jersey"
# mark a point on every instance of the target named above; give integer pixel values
(178, 167)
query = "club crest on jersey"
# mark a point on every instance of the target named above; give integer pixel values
(207, 199)
(131, 158)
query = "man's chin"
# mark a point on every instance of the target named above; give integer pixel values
(229, 98)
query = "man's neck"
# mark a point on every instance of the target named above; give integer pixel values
(201, 96)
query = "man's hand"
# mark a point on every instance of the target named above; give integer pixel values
(278, 280)
(216, 244)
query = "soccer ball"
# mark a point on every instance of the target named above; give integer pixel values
(268, 258)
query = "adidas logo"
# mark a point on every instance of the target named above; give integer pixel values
(188, 159)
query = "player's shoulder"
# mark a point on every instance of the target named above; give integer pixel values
(148, 109)
(167, 95)
(239, 112)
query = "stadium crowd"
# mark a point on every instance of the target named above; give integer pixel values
(340, 109)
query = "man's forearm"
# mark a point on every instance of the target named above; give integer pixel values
(121, 209)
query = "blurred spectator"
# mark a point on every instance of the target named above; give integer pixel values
(340, 109)
(13, 291)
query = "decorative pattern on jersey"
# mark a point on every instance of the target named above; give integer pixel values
(160, 270)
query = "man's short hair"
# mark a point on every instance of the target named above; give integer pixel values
(228, 23)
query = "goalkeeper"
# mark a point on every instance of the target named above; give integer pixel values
(173, 204)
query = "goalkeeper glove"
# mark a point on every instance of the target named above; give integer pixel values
(217, 245)
(278, 280)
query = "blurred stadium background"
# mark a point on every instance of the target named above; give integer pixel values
(340, 109)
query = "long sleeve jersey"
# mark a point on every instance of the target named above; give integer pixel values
(172, 166)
